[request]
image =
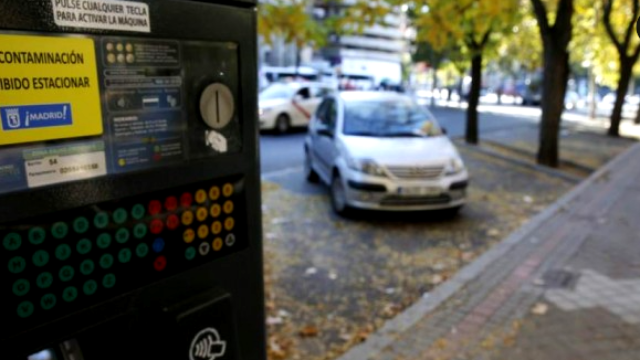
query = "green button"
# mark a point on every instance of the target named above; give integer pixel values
(138, 212)
(120, 216)
(59, 230)
(12, 241)
(41, 258)
(84, 246)
(104, 240)
(190, 253)
(124, 255)
(44, 280)
(69, 294)
(48, 301)
(25, 309)
(90, 287)
(87, 266)
(140, 231)
(81, 225)
(63, 252)
(122, 235)
(101, 220)
(21, 287)
(109, 281)
(142, 250)
(17, 265)
(66, 273)
(106, 261)
(37, 235)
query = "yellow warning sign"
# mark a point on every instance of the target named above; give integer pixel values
(48, 89)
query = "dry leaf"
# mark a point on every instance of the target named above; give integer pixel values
(309, 331)
(540, 309)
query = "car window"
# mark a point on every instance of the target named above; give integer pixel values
(388, 117)
(304, 93)
(320, 92)
(327, 113)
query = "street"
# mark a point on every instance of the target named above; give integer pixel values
(282, 152)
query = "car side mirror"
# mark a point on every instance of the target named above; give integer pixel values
(324, 131)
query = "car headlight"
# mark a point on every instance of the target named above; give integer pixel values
(366, 166)
(263, 111)
(454, 167)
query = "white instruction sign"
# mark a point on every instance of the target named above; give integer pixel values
(102, 14)
(60, 169)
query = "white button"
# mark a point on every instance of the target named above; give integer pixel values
(204, 248)
(217, 106)
(230, 240)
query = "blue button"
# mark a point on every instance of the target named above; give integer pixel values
(158, 245)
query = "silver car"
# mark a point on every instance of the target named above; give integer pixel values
(382, 151)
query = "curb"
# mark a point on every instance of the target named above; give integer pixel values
(543, 169)
(416, 312)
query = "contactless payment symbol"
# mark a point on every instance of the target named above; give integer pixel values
(207, 345)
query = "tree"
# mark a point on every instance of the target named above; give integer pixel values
(555, 43)
(434, 57)
(293, 21)
(627, 53)
(472, 23)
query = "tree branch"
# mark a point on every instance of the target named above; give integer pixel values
(541, 16)
(606, 17)
(563, 25)
(631, 27)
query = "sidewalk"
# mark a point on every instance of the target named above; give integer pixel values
(565, 286)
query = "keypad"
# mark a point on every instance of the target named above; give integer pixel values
(63, 262)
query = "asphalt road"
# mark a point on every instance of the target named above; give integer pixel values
(282, 152)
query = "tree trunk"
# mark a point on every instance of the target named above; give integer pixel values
(554, 86)
(474, 98)
(592, 93)
(626, 67)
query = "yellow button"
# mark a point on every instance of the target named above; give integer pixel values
(227, 190)
(216, 227)
(201, 196)
(229, 224)
(188, 236)
(228, 207)
(215, 210)
(202, 213)
(217, 244)
(187, 218)
(203, 231)
(214, 193)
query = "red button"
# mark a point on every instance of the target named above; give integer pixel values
(156, 226)
(160, 263)
(173, 221)
(155, 207)
(186, 200)
(171, 203)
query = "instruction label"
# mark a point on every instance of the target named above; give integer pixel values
(61, 164)
(102, 14)
(48, 89)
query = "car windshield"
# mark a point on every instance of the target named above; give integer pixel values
(277, 91)
(388, 118)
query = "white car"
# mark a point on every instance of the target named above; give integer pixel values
(286, 105)
(382, 151)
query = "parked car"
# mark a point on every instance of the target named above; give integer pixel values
(286, 105)
(529, 94)
(382, 151)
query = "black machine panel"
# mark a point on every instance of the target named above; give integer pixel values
(129, 180)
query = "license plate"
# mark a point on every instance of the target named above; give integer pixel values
(419, 191)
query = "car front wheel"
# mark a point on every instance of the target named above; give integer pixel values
(309, 173)
(338, 196)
